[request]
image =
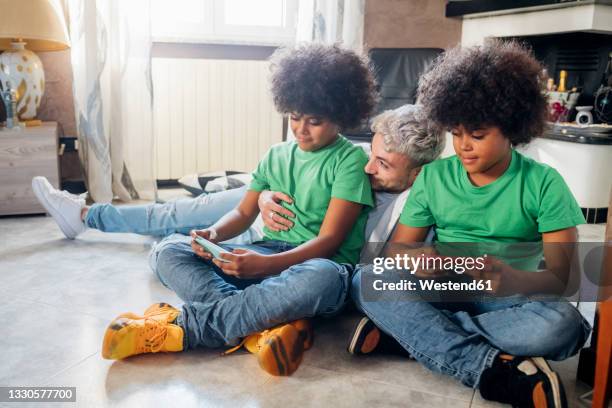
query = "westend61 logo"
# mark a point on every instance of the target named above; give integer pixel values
(427, 262)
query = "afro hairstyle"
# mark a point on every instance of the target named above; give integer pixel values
(498, 84)
(323, 80)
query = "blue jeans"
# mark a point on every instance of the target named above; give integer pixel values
(462, 339)
(219, 310)
(180, 216)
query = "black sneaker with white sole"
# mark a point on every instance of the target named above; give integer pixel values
(523, 382)
(367, 339)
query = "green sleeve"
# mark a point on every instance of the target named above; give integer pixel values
(416, 212)
(351, 183)
(260, 180)
(558, 207)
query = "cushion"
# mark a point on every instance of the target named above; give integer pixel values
(213, 182)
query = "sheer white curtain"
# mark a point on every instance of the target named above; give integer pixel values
(331, 22)
(111, 63)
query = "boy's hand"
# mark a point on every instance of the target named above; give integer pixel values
(275, 215)
(424, 273)
(209, 234)
(495, 271)
(243, 264)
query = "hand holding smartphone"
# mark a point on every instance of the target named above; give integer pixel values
(211, 247)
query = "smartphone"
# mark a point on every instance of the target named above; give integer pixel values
(214, 249)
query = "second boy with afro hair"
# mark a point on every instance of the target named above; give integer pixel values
(489, 195)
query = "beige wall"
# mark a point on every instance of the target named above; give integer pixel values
(409, 24)
(58, 105)
(57, 102)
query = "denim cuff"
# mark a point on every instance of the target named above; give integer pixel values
(487, 363)
(180, 323)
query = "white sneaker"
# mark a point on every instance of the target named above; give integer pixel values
(65, 208)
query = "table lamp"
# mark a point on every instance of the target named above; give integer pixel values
(26, 26)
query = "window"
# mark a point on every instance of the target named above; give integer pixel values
(265, 22)
(267, 13)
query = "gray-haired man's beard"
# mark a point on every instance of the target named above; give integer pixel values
(388, 190)
(378, 186)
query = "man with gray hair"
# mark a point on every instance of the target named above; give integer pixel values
(403, 141)
(415, 141)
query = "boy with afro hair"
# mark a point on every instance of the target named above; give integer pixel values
(489, 98)
(292, 274)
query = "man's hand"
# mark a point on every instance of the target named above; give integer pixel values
(209, 234)
(275, 215)
(244, 264)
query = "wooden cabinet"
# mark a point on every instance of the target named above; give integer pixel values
(24, 154)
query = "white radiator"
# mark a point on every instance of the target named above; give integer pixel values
(211, 115)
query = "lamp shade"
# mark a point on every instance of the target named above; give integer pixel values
(39, 23)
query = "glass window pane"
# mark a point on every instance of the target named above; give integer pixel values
(172, 17)
(254, 13)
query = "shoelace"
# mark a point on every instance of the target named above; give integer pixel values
(157, 312)
(68, 195)
(262, 335)
(153, 336)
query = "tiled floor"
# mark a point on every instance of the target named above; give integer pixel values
(57, 296)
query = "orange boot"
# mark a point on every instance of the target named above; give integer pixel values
(127, 336)
(279, 350)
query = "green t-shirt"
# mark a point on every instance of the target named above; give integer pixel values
(312, 179)
(530, 198)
